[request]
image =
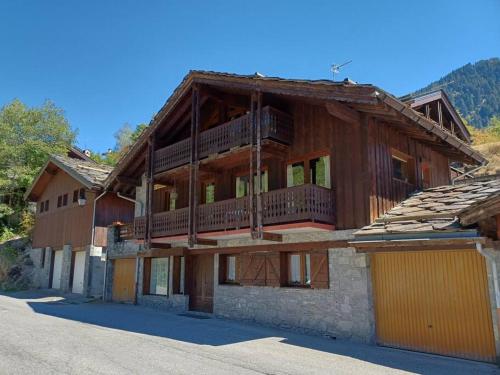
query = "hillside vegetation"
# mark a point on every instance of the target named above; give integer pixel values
(474, 90)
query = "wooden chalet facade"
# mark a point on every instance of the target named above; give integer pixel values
(71, 223)
(248, 190)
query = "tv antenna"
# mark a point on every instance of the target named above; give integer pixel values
(335, 68)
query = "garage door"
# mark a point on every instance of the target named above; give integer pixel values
(78, 272)
(434, 301)
(123, 280)
(57, 269)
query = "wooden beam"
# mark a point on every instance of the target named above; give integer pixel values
(440, 114)
(160, 245)
(412, 245)
(268, 236)
(124, 180)
(206, 241)
(282, 247)
(194, 165)
(162, 253)
(258, 166)
(491, 208)
(343, 112)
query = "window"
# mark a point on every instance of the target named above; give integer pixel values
(59, 201)
(75, 196)
(403, 167)
(46, 205)
(320, 171)
(209, 193)
(40, 210)
(178, 270)
(243, 184)
(228, 269)
(82, 193)
(159, 276)
(295, 174)
(172, 200)
(65, 200)
(299, 269)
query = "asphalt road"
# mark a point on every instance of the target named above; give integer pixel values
(40, 334)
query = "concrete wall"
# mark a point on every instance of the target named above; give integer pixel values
(41, 275)
(344, 310)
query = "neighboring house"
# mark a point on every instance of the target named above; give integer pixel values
(248, 190)
(71, 220)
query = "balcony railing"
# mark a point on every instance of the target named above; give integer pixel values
(275, 125)
(295, 204)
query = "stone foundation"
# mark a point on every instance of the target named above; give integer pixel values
(344, 310)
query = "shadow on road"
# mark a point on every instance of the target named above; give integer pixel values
(218, 332)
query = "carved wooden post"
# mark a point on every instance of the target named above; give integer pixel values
(149, 170)
(259, 166)
(193, 166)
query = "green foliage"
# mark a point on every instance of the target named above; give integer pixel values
(489, 134)
(27, 136)
(474, 90)
(125, 137)
(6, 234)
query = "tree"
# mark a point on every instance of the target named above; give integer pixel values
(125, 137)
(27, 136)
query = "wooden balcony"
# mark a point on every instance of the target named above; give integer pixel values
(296, 204)
(275, 125)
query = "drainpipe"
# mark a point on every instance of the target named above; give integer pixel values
(132, 200)
(92, 240)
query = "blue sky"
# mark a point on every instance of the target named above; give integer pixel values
(107, 63)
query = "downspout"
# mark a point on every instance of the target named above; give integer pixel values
(92, 240)
(479, 248)
(135, 201)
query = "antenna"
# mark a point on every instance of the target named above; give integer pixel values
(335, 68)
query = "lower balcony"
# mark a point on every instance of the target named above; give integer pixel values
(290, 205)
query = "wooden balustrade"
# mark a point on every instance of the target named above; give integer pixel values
(224, 215)
(275, 124)
(125, 231)
(295, 204)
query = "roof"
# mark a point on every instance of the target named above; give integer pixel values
(449, 208)
(361, 95)
(88, 173)
(77, 153)
(422, 99)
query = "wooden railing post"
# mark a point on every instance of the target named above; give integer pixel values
(193, 165)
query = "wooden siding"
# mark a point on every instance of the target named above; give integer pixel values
(70, 224)
(385, 191)
(434, 301)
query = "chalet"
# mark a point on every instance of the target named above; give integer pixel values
(251, 193)
(71, 220)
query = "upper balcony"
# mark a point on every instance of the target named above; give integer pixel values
(305, 203)
(275, 125)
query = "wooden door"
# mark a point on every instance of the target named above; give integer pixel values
(124, 280)
(434, 301)
(201, 283)
(78, 271)
(57, 269)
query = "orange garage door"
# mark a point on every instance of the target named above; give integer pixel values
(123, 280)
(434, 301)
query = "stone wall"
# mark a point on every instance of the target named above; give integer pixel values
(344, 310)
(66, 269)
(41, 270)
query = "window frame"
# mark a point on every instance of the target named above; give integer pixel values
(304, 269)
(224, 269)
(65, 199)
(150, 278)
(75, 196)
(410, 169)
(306, 160)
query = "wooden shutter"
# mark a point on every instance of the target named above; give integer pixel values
(319, 270)
(146, 276)
(273, 261)
(253, 270)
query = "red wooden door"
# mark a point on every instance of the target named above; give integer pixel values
(201, 291)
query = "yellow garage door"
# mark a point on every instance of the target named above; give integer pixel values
(434, 301)
(123, 280)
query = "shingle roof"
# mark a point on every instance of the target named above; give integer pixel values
(435, 209)
(92, 173)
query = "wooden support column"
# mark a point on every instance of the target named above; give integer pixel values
(497, 218)
(258, 187)
(251, 187)
(149, 169)
(440, 114)
(194, 165)
(428, 111)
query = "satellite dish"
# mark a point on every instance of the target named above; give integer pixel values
(335, 68)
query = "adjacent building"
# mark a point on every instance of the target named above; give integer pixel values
(73, 213)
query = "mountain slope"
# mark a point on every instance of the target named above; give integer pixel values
(474, 90)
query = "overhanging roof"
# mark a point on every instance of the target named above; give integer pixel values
(362, 97)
